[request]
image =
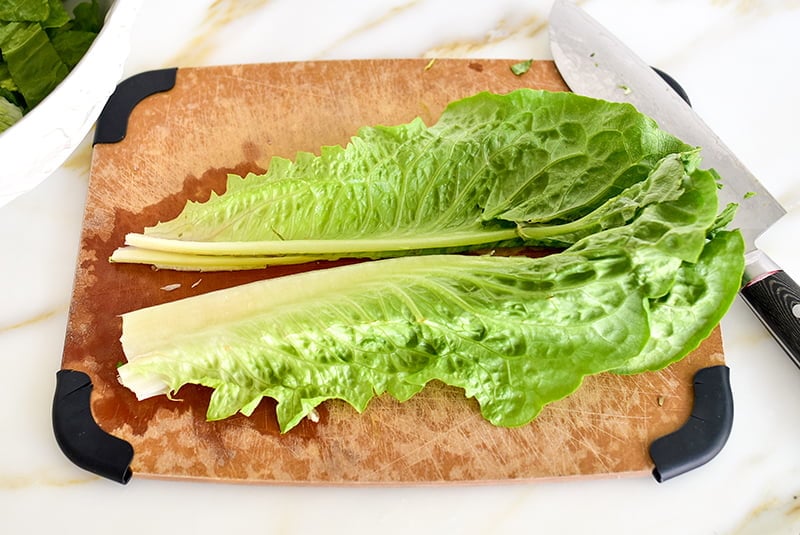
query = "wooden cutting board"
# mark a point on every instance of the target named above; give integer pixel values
(180, 144)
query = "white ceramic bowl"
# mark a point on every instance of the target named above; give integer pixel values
(41, 141)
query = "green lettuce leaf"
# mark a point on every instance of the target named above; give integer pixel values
(491, 164)
(6, 82)
(695, 304)
(57, 15)
(9, 114)
(88, 17)
(24, 10)
(32, 61)
(515, 333)
(661, 185)
(72, 45)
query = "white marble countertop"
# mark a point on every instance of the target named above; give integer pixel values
(738, 62)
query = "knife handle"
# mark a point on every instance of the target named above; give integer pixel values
(775, 298)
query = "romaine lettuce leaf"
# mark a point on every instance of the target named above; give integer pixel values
(392, 326)
(71, 45)
(87, 17)
(9, 114)
(57, 15)
(491, 164)
(24, 10)
(700, 296)
(32, 61)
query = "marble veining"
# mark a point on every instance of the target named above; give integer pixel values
(29, 321)
(373, 24)
(219, 14)
(503, 30)
(736, 58)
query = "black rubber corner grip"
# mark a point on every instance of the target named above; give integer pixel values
(706, 431)
(79, 436)
(673, 84)
(112, 124)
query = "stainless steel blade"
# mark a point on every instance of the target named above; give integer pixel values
(593, 62)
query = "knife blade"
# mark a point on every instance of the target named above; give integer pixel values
(594, 62)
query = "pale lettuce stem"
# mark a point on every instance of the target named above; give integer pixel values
(146, 330)
(192, 262)
(530, 232)
(319, 247)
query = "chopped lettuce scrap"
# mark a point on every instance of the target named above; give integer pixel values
(522, 67)
(24, 10)
(9, 114)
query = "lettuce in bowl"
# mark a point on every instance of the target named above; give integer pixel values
(59, 63)
(40, 42)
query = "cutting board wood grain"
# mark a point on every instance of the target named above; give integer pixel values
(180, 145)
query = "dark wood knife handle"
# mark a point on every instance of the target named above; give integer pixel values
(775, 299)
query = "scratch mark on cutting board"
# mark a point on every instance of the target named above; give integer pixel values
(584, 412)
(442, 435)
(598, 455)
(273, 86)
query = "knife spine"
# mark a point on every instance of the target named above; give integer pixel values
(706, 431)
(112, 124)
(78, 435)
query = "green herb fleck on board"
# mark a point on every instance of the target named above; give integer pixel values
(750, 194)
(625, 89)
(522, 67)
